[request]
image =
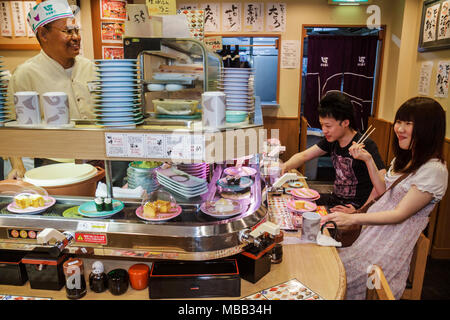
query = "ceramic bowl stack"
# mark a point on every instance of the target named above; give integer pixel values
(144, 177)
(180, 183)
(117, 94)
(199, 170)
(238, 84)
(4, 112)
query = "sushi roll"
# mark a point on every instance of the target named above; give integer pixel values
(99, 204)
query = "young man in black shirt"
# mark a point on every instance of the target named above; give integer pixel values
(352, 186)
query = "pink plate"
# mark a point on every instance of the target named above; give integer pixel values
(159, 216)
(49, 201)
(309, 206)
(242, 171)
(305, 193)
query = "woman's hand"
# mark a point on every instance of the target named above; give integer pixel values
(358, 152)
(348, 208)
(342, 219)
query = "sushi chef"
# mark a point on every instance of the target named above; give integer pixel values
(58, 66)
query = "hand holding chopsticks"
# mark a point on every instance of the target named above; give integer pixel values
(365, 135)
(357, 150)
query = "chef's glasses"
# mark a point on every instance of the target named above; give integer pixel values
(69, 31)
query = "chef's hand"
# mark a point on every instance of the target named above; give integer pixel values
(347, 208)
(358, 152)
(340, 218)
(16, 174)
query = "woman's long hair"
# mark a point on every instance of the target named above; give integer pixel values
(428, 134)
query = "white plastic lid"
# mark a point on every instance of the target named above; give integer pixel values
(60, 174)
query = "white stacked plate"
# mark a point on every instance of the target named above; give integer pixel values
(237, 84)
(181, 183)
(4, 112)
(117, 94)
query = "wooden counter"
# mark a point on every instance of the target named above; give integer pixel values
(319, 268)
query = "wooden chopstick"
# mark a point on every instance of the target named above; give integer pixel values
(367, 136)
(364, 134)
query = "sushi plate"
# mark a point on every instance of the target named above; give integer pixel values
(107, 73)
(105, 68)
(117, 90)
(175, 212)
(89, 210)
(48, 202)
(240, 171)
(117, 95)
(243, 184)
(308, 206)
(104, 77)
(211, 211)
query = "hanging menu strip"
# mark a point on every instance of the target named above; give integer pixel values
(155, 146)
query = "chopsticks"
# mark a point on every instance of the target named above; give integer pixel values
(365, 135)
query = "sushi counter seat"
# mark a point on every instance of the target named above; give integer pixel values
(318, 268)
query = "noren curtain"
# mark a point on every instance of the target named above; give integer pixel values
(344, 63)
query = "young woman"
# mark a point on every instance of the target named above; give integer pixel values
(393, 224)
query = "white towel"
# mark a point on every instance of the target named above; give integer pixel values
(120, 192)
(326, 241)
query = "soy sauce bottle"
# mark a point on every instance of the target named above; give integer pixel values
(98, 280)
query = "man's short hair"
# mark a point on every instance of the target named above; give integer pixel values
(335, 104)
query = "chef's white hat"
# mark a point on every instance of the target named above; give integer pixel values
(48, 11)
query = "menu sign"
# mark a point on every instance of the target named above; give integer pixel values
(213, 43)
(254, 16)
(155, 146)
(6, 19)
(290, 54)
(113, 9)
(161, 7)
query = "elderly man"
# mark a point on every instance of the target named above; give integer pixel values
(58, 67)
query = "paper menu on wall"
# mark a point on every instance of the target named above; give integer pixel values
(231, 16)
(429, 25)
(6, 19)
(187, 6)
(253, 16)
(290, 54)
(276, 17)
(19, 20)
(443, 70)
(443, 31)
(212, 16)
(28, 6)
(425, 78)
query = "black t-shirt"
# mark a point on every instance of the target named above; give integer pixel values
(352, 183)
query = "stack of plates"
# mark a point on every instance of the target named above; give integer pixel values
(4, 113)
(117, 93)
(237, 83)
(199, 170)
(144, 177)
(181, 183)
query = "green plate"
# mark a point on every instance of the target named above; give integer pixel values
(72, 213)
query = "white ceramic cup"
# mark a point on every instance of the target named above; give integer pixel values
(213, 109)
(310, 226)
(27, 107)
(56, 108)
